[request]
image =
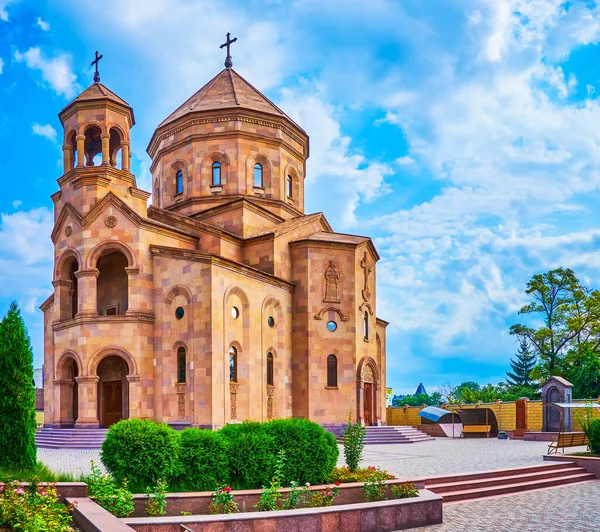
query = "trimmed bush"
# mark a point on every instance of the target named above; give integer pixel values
(311, 452)
(203, 459)
(141, 451)
(594, 436)
(251, 453)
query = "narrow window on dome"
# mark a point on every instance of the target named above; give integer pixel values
(270, 369)
(179, 182)
(216, 173)
(289, 186)
(332, 371)
(258, 175)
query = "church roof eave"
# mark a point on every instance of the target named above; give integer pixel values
(96, 92)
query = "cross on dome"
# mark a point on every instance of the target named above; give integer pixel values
(228, 60)
(95, 62)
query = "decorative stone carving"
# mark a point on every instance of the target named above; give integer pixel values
(270, 394)
(233, 391)
(367, 373)
(181, 405)
(332, 284)
(68, 231)
(110, 221)
(364, 264)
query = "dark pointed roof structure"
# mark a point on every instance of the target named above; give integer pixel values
(421, 390)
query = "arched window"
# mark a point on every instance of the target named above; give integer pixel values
(232, 364)
(179, 182)
(258, 175)
(216, 173)
(289, 186)
(366, 325)
(270, 369)
(181, 365)
(332, 371)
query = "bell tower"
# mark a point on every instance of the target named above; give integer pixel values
(96, 154)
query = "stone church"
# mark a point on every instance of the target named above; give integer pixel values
(222, 301)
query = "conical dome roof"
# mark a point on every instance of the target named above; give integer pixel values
(97, 92)
(227, 90)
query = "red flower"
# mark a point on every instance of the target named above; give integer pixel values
(338, 483)
(227, 489)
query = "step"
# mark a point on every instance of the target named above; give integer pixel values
(443, 479)
(507, 479)
(505, 489)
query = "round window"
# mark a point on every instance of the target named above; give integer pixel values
(332, 325)
(271, 321)
(235, 313)
(179, 313)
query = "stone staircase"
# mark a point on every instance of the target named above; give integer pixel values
(48, 438)
(392, 434)
(469, 486)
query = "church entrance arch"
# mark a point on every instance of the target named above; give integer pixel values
(368, 387)
(113, 390)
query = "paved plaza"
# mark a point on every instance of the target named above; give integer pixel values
(569, 509)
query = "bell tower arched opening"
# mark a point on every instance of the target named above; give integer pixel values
(93, 146)
(112, 288)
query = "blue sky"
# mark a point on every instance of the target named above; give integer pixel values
(462, 135)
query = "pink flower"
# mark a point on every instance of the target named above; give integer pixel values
(329, 494)
(20, 491)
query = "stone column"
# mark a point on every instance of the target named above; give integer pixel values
(80, 150)
(66, 158)
(62, 301)
(135, 396)
(87, 292)
(377, 402)
(105, 149)
(88, 402)
(64, 404)
(125, 156)
(135, 291)
(361, 401)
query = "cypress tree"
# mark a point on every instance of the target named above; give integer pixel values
(521, 367)
(17, 394)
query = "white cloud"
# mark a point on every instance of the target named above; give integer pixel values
(405, 160)
(17, 203)
(45, 26)
(46, 131)
(1, 65)
(56, 71)
(333, 164)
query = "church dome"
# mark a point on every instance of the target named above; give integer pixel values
(227, 142)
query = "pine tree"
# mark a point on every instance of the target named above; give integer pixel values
(522, 366)
(17, 394)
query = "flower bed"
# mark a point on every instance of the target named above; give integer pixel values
(386, 515)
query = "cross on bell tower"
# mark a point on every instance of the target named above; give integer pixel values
(228, 60)
(95, 62)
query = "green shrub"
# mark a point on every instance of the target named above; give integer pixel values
(594, 436)
(353, 438)
(142, 452)
(118, 500)
(156, 501)
(404, 491)
(251, 452)
(203, 459)
(311, 452)
(17, 394)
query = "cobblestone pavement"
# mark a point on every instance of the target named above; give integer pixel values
(73, 461)
(445, 455)
(569, 509)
